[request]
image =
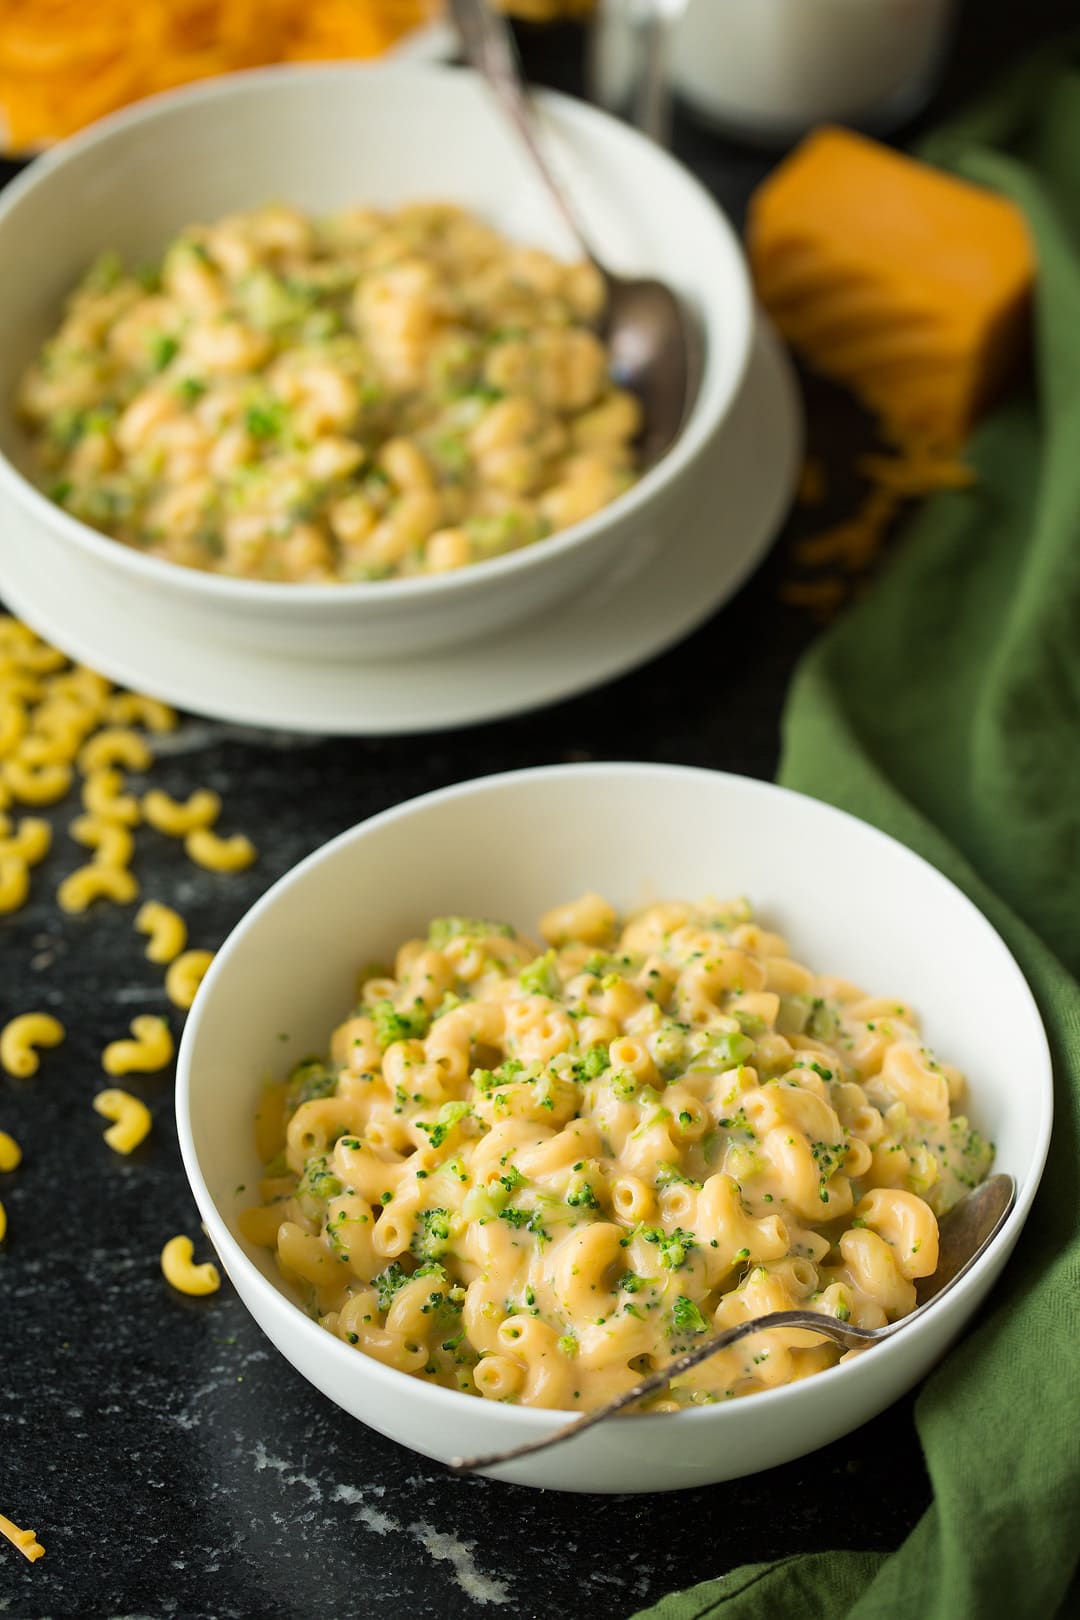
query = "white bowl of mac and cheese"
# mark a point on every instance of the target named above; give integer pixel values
(528, 1119)
(326, 379)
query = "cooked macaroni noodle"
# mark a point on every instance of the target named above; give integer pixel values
(182, 1274)
(10, 1153)
(132, 1117)
(361, 397)
(20, 1037)
(537, 1176)
(151, 1049)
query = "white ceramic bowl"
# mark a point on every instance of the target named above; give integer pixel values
(851, 900)
(325, 137)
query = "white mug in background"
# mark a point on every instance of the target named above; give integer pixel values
(768, 70)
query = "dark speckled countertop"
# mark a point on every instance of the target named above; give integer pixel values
(172, 1463)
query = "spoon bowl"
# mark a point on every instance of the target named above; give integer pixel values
(655, 348)
(968, 1228)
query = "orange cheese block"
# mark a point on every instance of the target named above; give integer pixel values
(908, 285)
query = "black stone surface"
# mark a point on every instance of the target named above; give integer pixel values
(173, 1464)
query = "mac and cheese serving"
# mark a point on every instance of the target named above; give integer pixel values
(537, 1174)
(356, 398)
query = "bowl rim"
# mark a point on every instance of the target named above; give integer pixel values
(709, 410)
(325, 1344)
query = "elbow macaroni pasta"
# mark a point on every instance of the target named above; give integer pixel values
(166, 815)
(86, 884)
(233, 854)
(184, 976)
(132, 1118)
(103, 797)
(151, 1049)
(166, 928)
(115, 745)
(20, 1038)
(14, 882)
(182, 1274)
(30, 844)
(535, 1176)
(111, 841)
(357, 398)
(10, 1153)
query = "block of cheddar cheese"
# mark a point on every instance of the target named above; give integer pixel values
(905, 283)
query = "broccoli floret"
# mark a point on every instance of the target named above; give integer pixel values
(674, 1246)
(686, 1317)
(450, 1114)
(596, 1061)
(308, 1080)
(318, 1182)
(540, 977)
(443, 929)
(392, 1025)
(433, 1235)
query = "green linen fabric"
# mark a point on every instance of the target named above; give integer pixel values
(945, 709)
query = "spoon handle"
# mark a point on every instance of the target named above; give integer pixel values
(489, 47)
(845, 1334)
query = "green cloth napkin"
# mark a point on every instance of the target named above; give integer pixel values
(946, 710)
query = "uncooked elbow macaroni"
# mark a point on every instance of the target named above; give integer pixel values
(86, 884)
(112, 842)
(182, 1273)
(358, 398)
(166, 928)
(177, 819)
(132, 1119)
(184, 976)
(537, 1175)
(205, 848)
(150, 1049)
(20, 1039)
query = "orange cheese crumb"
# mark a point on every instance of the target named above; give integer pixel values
(905, 283)
(854, 544)
(813, 485)
(26, 1540)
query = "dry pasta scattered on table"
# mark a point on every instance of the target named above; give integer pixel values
(537, 1175)
(355, 398)
(58, 722)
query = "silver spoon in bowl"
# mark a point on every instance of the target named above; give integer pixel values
(964, 1233)
(655, 349)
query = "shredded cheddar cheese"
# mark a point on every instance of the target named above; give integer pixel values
(25, 1540)
(64, 64)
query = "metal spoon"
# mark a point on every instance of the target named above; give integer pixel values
(655, 350)
(963, 1235)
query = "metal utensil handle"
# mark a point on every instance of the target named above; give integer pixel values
(845, 1333)
(489, 46)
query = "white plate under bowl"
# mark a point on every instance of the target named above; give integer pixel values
(643, 607)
